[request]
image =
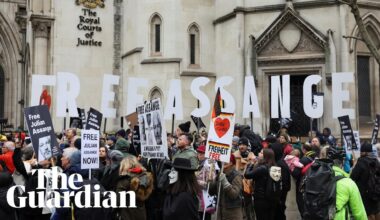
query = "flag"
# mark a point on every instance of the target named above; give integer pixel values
(198, 122)
(217, 109)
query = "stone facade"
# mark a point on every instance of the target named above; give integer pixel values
(153, 39)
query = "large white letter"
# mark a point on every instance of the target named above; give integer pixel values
(339, 95)
(226, 96)
(175, 93)
(250, 102)
(68, 89)
(280, 96)
(313, 110)
(109, 95)
(202, 97)
(133, 97)
(38, 81)
(11, 197)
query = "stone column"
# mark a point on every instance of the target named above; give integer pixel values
(41, 36)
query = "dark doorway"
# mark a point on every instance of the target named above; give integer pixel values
(299, 124)
(364, 89)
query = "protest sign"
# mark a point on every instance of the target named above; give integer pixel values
(90, 149)
(75, 122)
(375, 131)
(347, 132)
(152, 130)
(132, 119)
(94, 120)
(82, 116)
(220, 133)
(41, 131)
(198, 122)
(136, 139)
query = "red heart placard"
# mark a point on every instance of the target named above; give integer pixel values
(221, 126)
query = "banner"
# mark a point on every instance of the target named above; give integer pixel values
(136, 139)
(198, 122)
(41, 132)
(220, 133)
(90, 149)
(347, 132)
(375, 131)
(152, 130)
(82, 116)
(94, 120)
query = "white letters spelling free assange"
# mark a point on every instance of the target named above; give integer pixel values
(68, 89)
(61, 195)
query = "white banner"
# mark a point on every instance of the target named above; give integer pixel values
(152, 130)
(90, 149)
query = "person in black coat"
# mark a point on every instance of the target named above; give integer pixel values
(181, 201)
(361, 174)
(285, 176)
(6, 211)
(265, 207)
(308, 157)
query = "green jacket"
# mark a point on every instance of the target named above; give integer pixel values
(347, 193)
(188, 153)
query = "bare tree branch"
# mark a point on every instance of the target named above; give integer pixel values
(363, 31)
(356, 38)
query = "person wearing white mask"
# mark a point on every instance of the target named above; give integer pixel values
(181, 201)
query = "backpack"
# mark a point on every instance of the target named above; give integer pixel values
(319, 191)
(373, 189)
(273, 188)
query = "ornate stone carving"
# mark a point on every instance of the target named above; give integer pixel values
(91, 3)
(41, 29)
(289, 15)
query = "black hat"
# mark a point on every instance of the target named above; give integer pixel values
(121, 132)
(185, 127)
(244, 141)
(180, 163)
(78, 143)
(366, 147)
(334, 153)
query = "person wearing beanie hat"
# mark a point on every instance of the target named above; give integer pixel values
(366, 165)
(232, 185)
(121, 143)
(183, 128)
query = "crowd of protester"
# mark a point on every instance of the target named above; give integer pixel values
(254, 184)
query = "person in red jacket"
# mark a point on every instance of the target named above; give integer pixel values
(6, 156)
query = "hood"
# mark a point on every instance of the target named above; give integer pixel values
(339, 172)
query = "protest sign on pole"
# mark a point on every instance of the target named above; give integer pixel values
(220, 133)
(152, 130)
(375, 131)
(136, 139)
(94, 120)
(347, 133)
(89, 149)
(41, 132)
(82, 116)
